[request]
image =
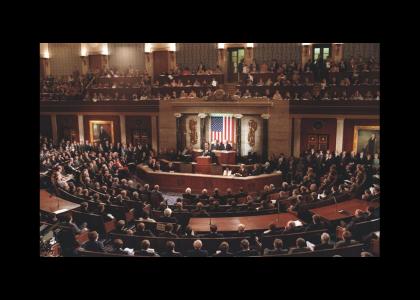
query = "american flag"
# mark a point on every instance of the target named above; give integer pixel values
(223, 128)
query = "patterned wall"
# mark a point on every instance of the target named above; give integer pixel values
(363, 49)
(64, 58)
(191, 54)
(283, 52)
(123, 55)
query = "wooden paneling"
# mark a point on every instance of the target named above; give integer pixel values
(138, 128)
(160, 62)
(335, 107)
(111, 106)
(115, 119)
(45, 126)
(95, 62)
(67, 127)
(308, 128)
(349, 130)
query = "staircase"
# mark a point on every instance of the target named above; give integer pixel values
(229, 88)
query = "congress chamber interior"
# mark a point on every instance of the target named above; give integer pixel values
(209, 150)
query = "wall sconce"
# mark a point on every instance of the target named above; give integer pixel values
(220, 46)
(104, 50)
(250, 45)
(147, 47)
(172, 47)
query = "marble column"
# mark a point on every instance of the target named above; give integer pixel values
(81, 128)
(296, 134)
(340, 135)
(154, 133)
(123, 131)
(54, 128)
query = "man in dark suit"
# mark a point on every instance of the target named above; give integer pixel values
(170, 250)
(213, 232)
(300, 246)
(242, 171)
(179, 208)
(93, 244)
(117, 247)
(197, 251)
(245, 250)
(199, 211)
(214, 145)
(223, 251)
(325, 243)
(67, 236)
(229, 146)
(347, 241)
(317, 224)
(144, 249)
(204, 197)
(156, 197)
(278, 248)
(167, 217)
(142, 231)
(221, 146)
(189, 196)
(241, 231)
(168, 232)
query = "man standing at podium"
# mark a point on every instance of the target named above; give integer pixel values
(228, 146)
(221, 146)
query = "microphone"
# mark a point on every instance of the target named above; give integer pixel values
(210, 221)
(336, 209)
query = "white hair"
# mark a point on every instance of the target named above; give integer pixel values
(188, 190)
(197, 244)
(325, 237)
(167, 212)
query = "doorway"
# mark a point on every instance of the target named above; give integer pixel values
(235, 61)
(321, 50)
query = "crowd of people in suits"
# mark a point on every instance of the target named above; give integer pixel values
(100, 176)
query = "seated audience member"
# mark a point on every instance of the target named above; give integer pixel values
(120, 227)
(242, 171)
(223, 250)
(272, 229)
(146, 217)
(167, 216)
(316, 224)
(241, 231)
(190, 197)
(145, 249)
(142, 231)
(247, 94)
(179, 208)
(347, 241)
(117, 247)
(168, 232)
(197, 251)
(233, 207)
(199, 211)
(204, 197)
(189, 232)
(300, 247)
(277, 96)
(170, 250)
(291, 228)
(325, 242)
(93, 244)
(277, 249)
(213, 232)
(245, 250)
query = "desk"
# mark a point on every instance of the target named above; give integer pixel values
(225, 157)
(203, 165)
(330, 212)
(178, 182)
(251, 222)
(55, 204)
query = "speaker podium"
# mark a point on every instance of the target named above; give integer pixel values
(203, 165)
